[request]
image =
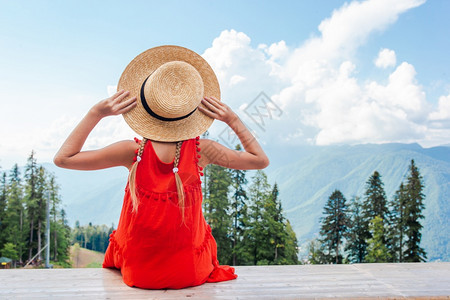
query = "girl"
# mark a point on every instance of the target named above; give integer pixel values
(170, 96)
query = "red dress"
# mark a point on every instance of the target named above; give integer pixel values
(153, 248)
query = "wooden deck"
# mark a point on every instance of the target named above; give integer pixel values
(392, 281)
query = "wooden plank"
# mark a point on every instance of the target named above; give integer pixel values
(421, 280)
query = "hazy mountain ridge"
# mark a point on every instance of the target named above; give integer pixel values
(306, 185)
(306, 176)
(92, 196)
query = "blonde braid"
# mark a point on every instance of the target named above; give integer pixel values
(132, 176)
(180, 189)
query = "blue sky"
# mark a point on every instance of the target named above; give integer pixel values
(315, 59)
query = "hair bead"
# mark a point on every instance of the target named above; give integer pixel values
(179, 183)
(132, 175)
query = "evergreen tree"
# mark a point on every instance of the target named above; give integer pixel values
(276, 233)
(3, 203)
(377, 251)
(272, 228)
(41, 215)
(259, 191)
(356, 243)
(375, 198)
(334, 226)
(31, 200)
(54, 199)
(15, 214)
(93, 237)
(413, 213)
(291, 245)
(62, 243)
(216, 208)
(238, 213)
(397, 220)
(59, 228)
(23, 218)
(375, 204)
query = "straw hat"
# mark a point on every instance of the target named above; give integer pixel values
(169, 83)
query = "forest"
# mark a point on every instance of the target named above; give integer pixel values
(373, 229)
(23, 202)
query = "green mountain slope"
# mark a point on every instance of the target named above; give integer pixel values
(306, 184)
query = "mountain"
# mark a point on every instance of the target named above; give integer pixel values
(315, 172)
(306, 176)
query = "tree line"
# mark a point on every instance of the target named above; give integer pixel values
(247, 223)
(23, 202)
(92, 237)
(373, 229)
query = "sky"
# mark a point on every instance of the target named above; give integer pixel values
(296, 72)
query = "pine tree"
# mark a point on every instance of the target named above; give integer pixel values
(291, 245)
(23, 221)
(63, 240)
(334, 226)
(257, 243)
(356, 244)
(396, 229)
(54, 199)
(41, 208)
(216, 207)
(377, 251)
(375, 203)
(31, 200)
(3, 203)
(244, 254)
(375, 198)
(272, 227)
(15, 213)
(276, 233)
(413, 213)
(238, 212)
(275, 219)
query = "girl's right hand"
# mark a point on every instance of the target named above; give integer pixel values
(114, 105)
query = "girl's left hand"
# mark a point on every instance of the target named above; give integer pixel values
(218, 110)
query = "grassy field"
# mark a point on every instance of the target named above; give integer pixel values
(84, 258)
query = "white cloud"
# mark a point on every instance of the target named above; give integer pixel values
(386, 58)
(317, 84)
(402, 92)
(278, 50)
(235, 79)
(440, 118)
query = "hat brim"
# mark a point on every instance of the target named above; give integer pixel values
(138, 118)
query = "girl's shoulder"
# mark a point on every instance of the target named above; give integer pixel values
(125, 151)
